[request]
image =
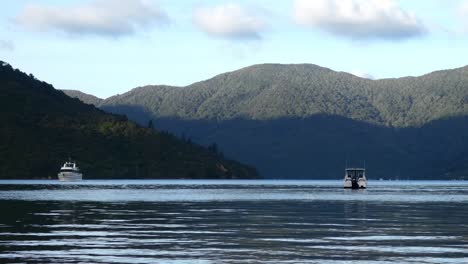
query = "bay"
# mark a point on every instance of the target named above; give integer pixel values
(264, 221)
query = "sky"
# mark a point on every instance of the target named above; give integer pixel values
(108, 47)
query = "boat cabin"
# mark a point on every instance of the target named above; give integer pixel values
(69, 166)
(355, 173)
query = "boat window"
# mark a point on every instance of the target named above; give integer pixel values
(355, 173)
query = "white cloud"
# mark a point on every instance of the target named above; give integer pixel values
(6, 45)
(98, 17)
(359, 19)
(229, 21)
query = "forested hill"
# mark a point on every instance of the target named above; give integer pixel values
(41, 127)
(304, 121)
(272, 91)
(86, 98)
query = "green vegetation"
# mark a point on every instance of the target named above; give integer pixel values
(41, 127)
(272, 91)
(304, 121)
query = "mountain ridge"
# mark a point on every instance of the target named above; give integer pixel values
(84, 97)
(462, 68)
(245, 94)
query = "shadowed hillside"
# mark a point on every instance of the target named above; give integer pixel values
(41, 127)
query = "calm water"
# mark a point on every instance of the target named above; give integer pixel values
(232, 222)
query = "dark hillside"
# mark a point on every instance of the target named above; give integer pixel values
(41, 126)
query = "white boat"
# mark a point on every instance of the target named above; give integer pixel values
(70, 172)
(355, 178)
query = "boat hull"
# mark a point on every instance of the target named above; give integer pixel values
(361, 184)
(70, 176)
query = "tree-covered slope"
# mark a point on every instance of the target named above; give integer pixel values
(415, 101)
(41, 127)
(304, 121)
(86, 98)
(271, 91)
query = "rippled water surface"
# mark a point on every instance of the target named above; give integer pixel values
(232, 222)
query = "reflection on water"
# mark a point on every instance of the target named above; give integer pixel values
(233, 222)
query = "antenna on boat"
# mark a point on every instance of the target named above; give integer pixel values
(346, 161)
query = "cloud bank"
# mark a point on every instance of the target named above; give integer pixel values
(230, 21)
(98, 17)
(359, 19)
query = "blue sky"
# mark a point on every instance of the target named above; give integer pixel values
(107, 47)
